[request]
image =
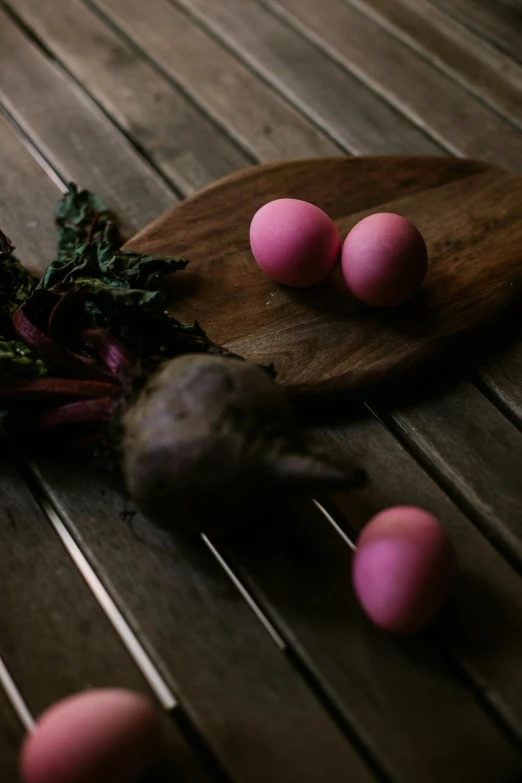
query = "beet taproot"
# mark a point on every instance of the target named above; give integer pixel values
(208, 433)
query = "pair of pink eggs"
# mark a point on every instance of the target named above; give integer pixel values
(383, 259)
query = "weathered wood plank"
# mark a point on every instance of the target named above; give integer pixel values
(320, 89)
(255, 711)
(475, 452)
(451, 46)
(446, 111)
(74, 135)
(54, 637)
(177, 136)
(499, 22)
(34, 238)
(502, 374)
(11, 736)
(255, 115)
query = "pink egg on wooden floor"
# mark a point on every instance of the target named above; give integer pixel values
(403, 569)
(384, 260)
(99, 736)
(294, 242)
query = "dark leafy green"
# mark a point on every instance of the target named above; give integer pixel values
(81, 218)
(18, 361)
(16, 284)
(118, 285)
(104, 262)
(95, 324)
(89, 246)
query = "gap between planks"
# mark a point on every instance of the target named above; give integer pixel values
(332, 97)
(254, 136)
(15, 698)
(454, 49)
(14, 723)
(499, 23)
(462, 123)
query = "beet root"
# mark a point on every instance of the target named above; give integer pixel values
(207, 434)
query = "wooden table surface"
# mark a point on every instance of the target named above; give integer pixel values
(256, 648)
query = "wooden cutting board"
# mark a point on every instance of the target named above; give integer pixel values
(321, 339)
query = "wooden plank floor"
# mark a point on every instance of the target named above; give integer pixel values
(255, 648)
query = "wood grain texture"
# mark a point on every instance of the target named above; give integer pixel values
(330, 96)
(475, 451)
(175, 134)
(299, 569)
(254, 710)
(464, 55)
(470, 225)
(32, 234)
(499, 22)
(502, 375)
(445, 110)
(255, 115)
(74, 135)
(11, 736)
(481, 627)
(54, 637)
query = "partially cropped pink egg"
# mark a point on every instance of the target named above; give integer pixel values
(294, 242)
(99, 736)
(403, 569)
(384, 260)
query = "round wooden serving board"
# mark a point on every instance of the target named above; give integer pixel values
(321, 339)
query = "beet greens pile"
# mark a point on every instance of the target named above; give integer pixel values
(89, 356)
(77, 342)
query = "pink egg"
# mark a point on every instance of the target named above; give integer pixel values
(294, 242)
(99, 736)
(403, 569)
(384, 260)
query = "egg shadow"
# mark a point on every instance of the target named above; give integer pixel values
(414, 318)
(471, 632)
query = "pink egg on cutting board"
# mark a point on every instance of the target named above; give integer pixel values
(99, 736)
(384, 260)
(294, 242)
(403, 569)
